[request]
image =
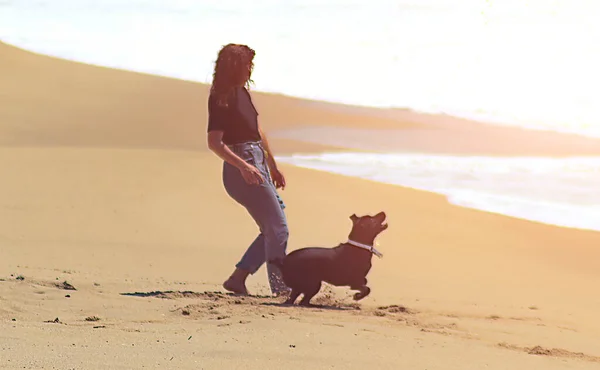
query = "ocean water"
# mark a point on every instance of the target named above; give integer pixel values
(563, 192)
(529, 63)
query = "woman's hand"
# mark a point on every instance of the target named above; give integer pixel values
(278, 179)
(252, 175)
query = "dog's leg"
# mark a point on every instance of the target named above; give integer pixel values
(363, 290)
(293, 296)
(310, 291)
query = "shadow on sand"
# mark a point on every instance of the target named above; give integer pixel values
(325, 301)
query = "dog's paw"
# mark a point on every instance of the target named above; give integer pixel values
(364, 291)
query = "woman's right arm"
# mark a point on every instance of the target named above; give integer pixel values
(218, 118)
(215, 143)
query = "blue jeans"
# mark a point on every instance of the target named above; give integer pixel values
(266, 208)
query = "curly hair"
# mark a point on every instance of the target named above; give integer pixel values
(233, 68)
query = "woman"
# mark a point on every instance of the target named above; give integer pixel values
(250, 174)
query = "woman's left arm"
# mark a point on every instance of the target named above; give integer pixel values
(277, 176)
(270, 157)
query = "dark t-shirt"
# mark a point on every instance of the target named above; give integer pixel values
(238, 121)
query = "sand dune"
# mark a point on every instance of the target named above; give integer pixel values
(107, 185)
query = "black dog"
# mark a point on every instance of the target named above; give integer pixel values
(348, 264)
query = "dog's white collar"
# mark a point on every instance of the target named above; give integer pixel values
(370, 248)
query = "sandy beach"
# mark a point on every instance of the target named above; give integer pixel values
(116, 234)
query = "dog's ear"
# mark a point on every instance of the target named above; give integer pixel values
(354, 217)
